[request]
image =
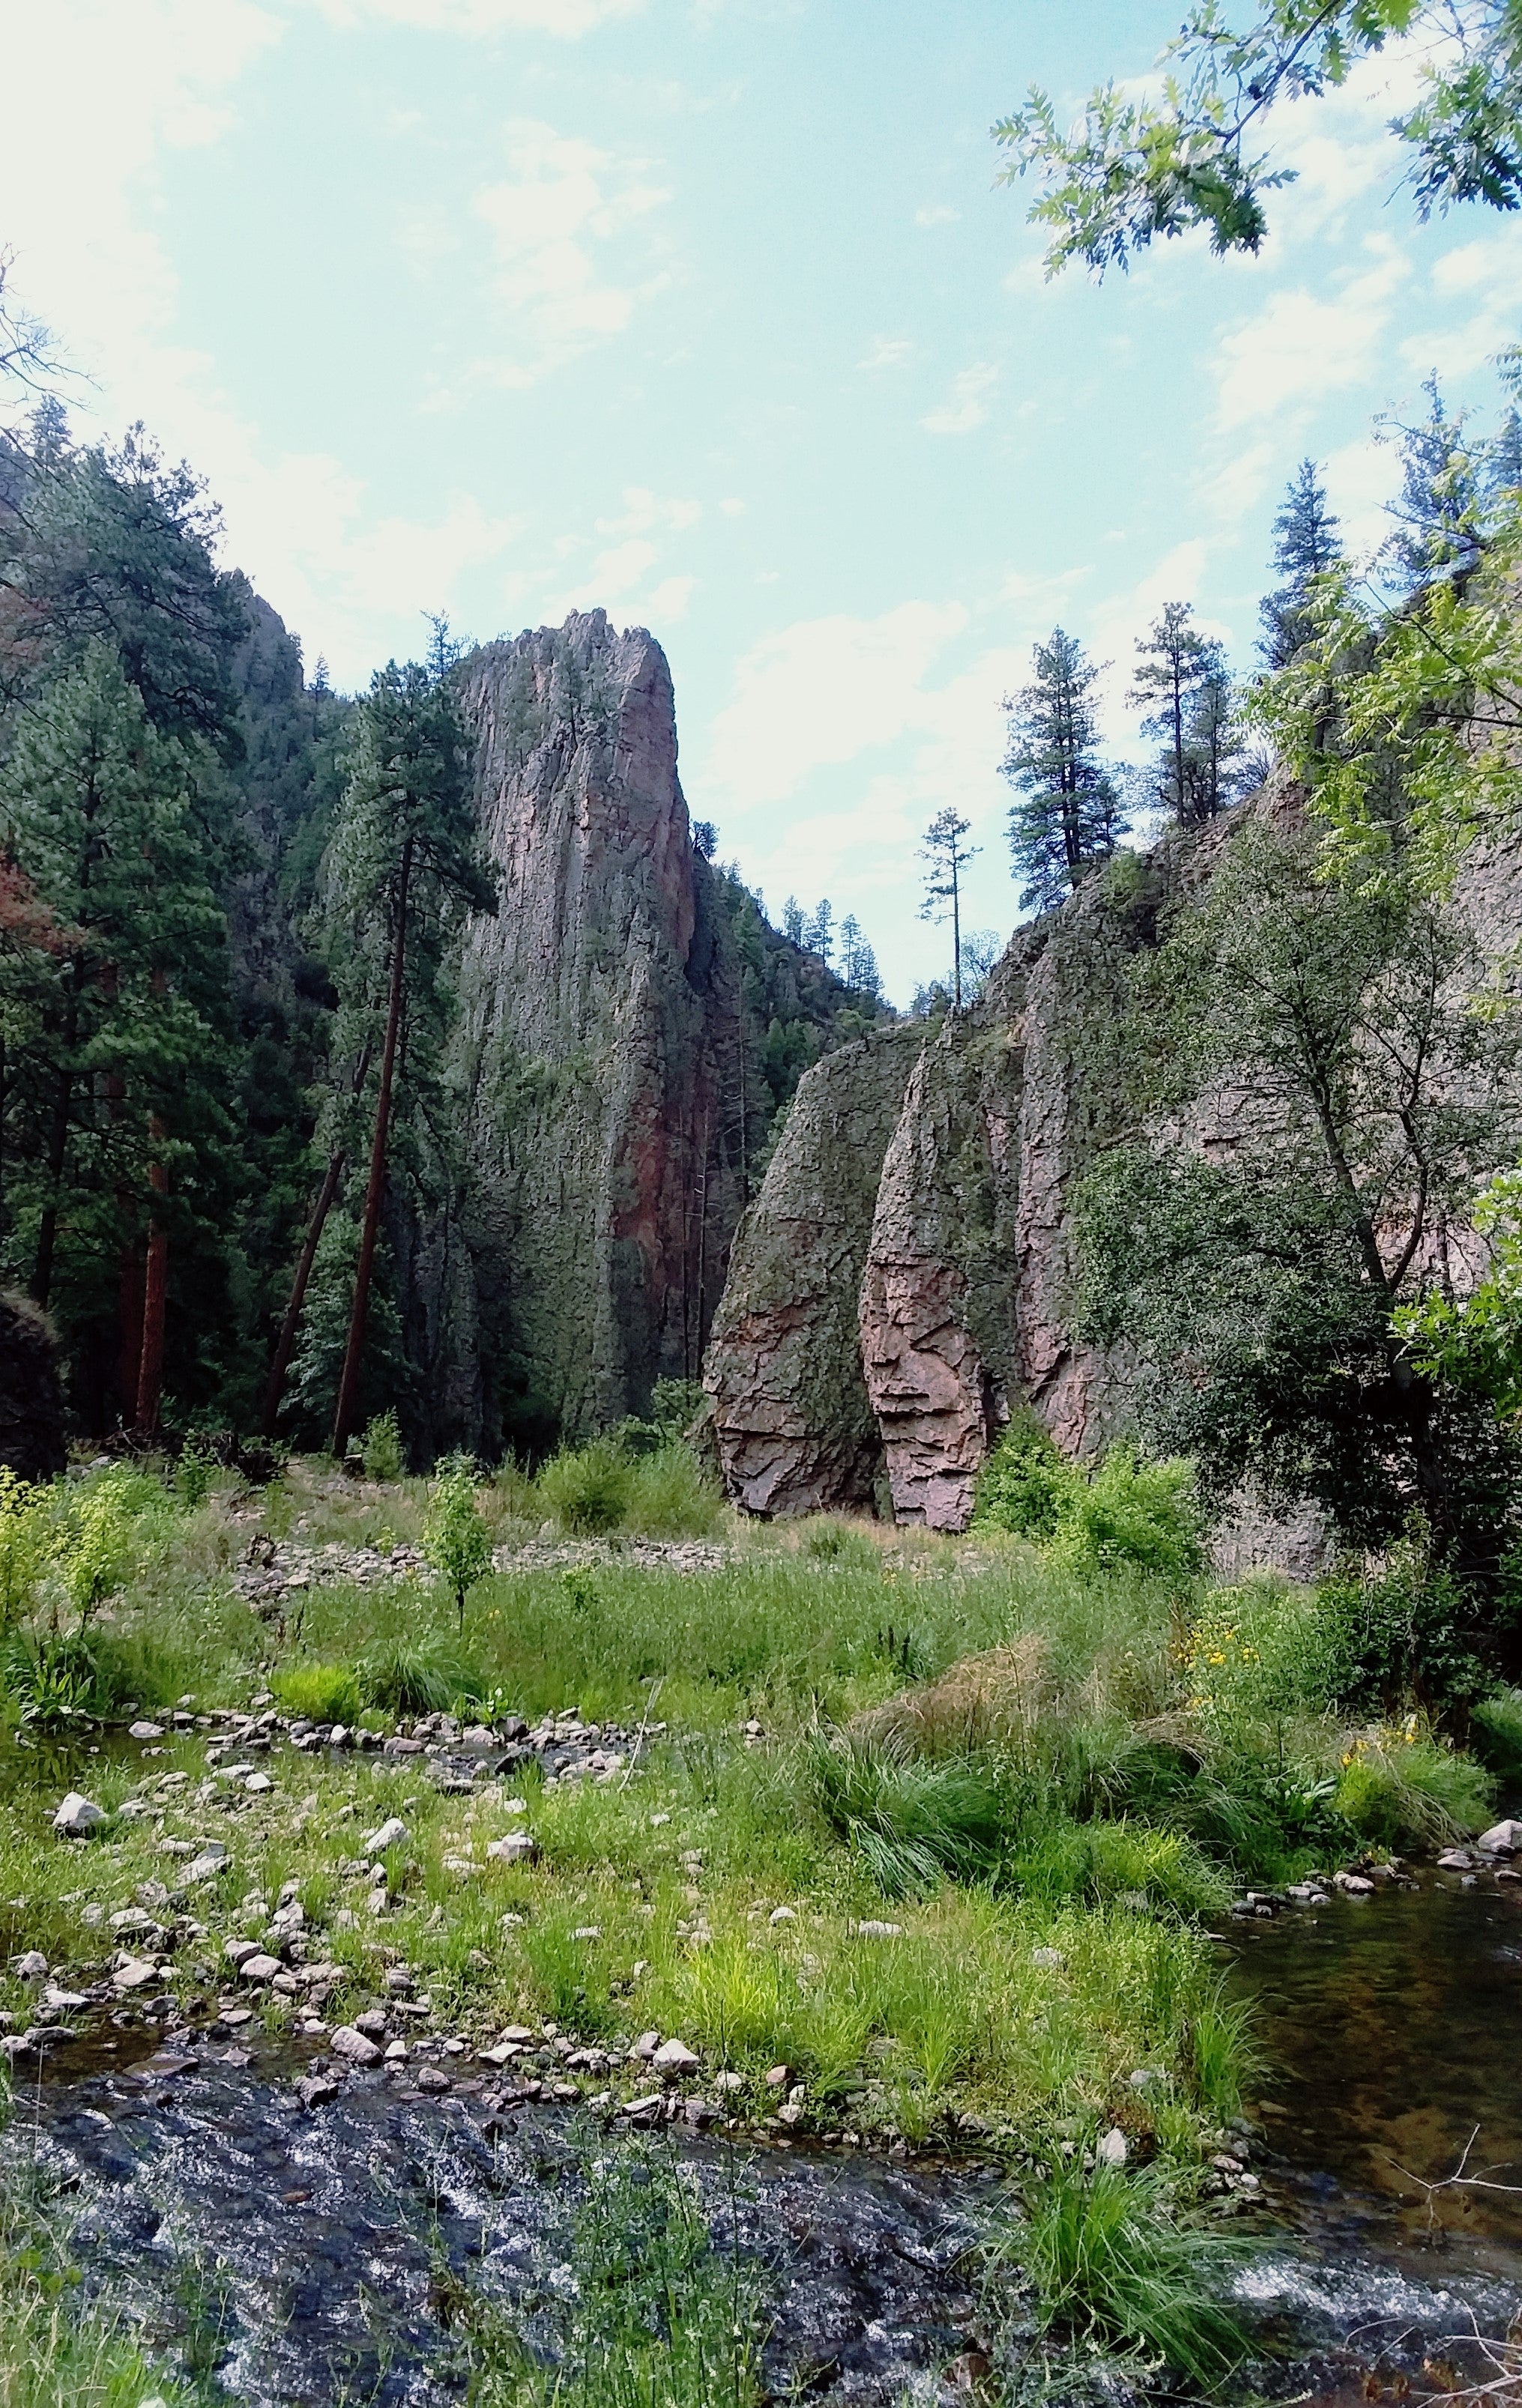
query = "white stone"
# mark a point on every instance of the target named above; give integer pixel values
(145, 1731)
(515, 1848)
(1113, 2150)
(1502, 1838)
(391, 1834)
(782, 1914)
(32, 1967)
(135, 1974)
(348, 2042)
(77, 1815)
(674, 2058)
(871, 1931)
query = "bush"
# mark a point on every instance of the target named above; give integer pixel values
(1406, 1630)
(588, 1490)
(111, 1533)
(455, 1539)
(830, 1541)
(418, 1678)
(1398, 1789)
(913, 1823)
(669, 1497)
(1126, 1513)
(195, 1473)
(1496, 1733)
(1024, 1483)
(381, 1448)
(54, 1679)
(1109, 2261)
(1131, 1512)
(324, 1693)
(30, 1540)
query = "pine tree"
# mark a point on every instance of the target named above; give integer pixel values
(1214, 747)
(401, 869)
(1305, 546)
(1438, 513)
(116, 1117)
(1503, 459)
(795, 920)
(1068, 810)
(946, 856)
(819, 936)
(1175, 663)
(859, 963)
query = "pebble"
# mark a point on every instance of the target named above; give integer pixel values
(134, 1974)
(145, 1731)
(1502, 1838)
(391, 1834)
(673, 2060)
(782, 1914)
(312, 2090)
(32, 1967)
(1353, 1884)
(259, 1968)
(871, 1931)
(1113, 2150)
(77, 1815)
(515, 1848)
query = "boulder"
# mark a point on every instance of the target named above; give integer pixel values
(674, 2059)
(391, 1834)
(77, 1815)
(1502, 1838)
(354, 2047)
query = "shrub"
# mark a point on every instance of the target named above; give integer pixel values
(1496, 1733)
(195, 1473)
(588, 1490)
(669, 1497)
(417, 1678)
(1109, 2261)
(455, 1539)
(911, 1822)
(830, 1541)
(30, 1540)
(324, 1693)
(1024, 1483)
(382, 1447)
(1131, 1512)
(110, 1534)
(1400, 1787)
(58, 1678)
(1405, 1630)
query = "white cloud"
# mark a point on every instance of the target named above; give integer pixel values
(941, 214)
(1360, 479)
(821, 692)
(1484, 278)
(732, 507)
(669, 600)
(967, 407)
(886, 351)
(620, 569)
(568, 19)
(562, 200)
(1300, 347)
(645, 512)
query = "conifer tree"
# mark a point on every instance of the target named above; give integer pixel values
(401, 871)
(946, 856)
(1176, 663)
(1305, 546)
(1503, 458)
(819, 937)
(116, 1117)
(795, 920)
(1439, 511)
(858, 962)
(1068, 814)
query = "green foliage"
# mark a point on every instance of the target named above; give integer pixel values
(30, 1540)
(1496, 1733)
(1125, 1512)
(1401, 1789)
(1176, 158)
(1111, 2260)
(111, 1533)
(657, 2317)
(588, 1489)
(324, 1693)
(421, 1676)
(194, 1474)
(1403, 1630)
(1069, 814)
(383, 1448)
(1476, 1342)
(54, 1679)
(455, 1539)
(911, 1823)
(1024, 1483)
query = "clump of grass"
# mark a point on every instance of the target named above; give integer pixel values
(656, 2316)
(55, 2347)
(912, 1822)
(1496, 1733)
(324, 1693)
(421, 1676)
(588, 1489)
(670, 1497)
(1400, 1787)
(1112, 2263)
(1125, 1512)
(381, 1448)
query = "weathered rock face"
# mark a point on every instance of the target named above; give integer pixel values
(793, 1424)
(600, 1025)
(31, 1397)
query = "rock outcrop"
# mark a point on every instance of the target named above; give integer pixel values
(30, 1394)
(792, 1419)
(612, 1053)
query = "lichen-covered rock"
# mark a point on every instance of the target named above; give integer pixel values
(31, 1397)
(600, 1048)
(791, 1422)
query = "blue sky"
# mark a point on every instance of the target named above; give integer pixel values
(709, 311)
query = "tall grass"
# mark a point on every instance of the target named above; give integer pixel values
(1111, 2261)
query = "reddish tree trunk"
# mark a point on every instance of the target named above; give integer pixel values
(129, 1324)
(150, 1364)
(287, 1343)
(343, 1420)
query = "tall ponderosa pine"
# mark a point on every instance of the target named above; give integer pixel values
(1305, 546)
(1068, 815)
(116, 1117)
(1439, 511)
(401, 871)
(946, 855)
(1179, 684)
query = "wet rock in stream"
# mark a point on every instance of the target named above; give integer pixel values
(333, 2238)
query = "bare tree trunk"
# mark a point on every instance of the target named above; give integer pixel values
(150, 1365)
(343, 1419)
(286, 1345)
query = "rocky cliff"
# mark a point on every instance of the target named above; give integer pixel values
(613, 1020)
